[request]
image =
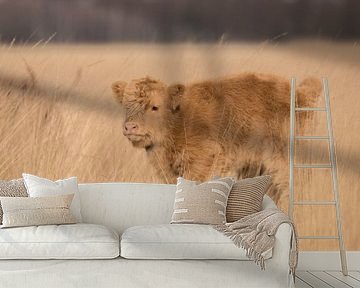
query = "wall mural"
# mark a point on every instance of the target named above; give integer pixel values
(209, 98)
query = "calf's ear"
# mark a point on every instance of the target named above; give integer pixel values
(118, 88)
(175, 92)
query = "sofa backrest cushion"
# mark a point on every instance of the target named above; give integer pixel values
(122, 205)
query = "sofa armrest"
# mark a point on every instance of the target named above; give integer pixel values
(279, 263)
(281, 249)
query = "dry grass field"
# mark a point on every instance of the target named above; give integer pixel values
(58, 117)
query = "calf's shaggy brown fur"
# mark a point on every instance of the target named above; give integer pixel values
(230, 126)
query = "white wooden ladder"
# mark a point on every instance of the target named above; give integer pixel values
(332, 166)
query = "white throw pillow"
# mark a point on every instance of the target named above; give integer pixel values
(181, 241)
(71, 241)
(41, 187)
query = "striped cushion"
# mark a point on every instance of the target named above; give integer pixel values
(246, 197)
(203, 203)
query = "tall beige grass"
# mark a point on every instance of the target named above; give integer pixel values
(58, 118)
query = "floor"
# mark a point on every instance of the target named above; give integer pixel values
(327, 279)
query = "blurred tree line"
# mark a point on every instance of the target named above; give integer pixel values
(177, 20)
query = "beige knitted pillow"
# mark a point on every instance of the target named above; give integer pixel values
(246, 197)
(12, 188)
(29, 211)
(203, 203)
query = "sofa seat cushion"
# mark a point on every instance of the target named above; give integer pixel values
(74, 241)
(180, 241)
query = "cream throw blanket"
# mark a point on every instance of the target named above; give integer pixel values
(256, 234)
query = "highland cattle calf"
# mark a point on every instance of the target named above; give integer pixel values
(230, 126)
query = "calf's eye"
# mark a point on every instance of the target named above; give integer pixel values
(154, 108)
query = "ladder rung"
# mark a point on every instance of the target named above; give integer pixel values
(311, 137)
(310, 109)
(314, 203)
(312, 166)
(318, 237)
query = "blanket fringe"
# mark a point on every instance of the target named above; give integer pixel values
(256, 234)
(240, 243)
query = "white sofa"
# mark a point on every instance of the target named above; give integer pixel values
(123, 205)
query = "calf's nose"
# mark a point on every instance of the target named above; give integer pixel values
(130, 127)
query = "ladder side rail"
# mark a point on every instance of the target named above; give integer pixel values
(334, 177)
(292, 147)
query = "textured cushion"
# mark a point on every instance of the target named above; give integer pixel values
(182, 241)
(26, 211)
(12, 188)
(73, 241)
(41, 187)
(246, 197)
(203, 203)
